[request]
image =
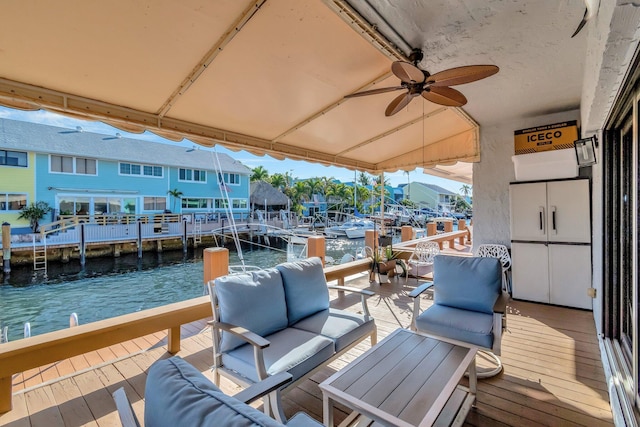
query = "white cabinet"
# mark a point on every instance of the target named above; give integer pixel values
(550, 242)
(555, 273)
(555, 211)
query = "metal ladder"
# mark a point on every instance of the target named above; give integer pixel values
(197, 232)
(40, 256)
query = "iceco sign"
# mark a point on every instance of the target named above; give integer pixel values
(557, 136)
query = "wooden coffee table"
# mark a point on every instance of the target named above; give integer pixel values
(405, 380)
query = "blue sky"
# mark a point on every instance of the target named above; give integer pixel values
(297, 168)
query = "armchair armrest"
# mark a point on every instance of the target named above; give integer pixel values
(420, 289)
(363, 294)
(245, 334)
(264, 387)
(125, 411)
(416, 302)
(500, 305)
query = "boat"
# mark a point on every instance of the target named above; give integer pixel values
(359, 228)
(341, 230)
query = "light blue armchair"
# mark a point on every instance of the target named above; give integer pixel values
(177, 394)
(469, 305)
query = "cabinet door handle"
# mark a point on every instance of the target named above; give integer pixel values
(541, 217)
(553, 219)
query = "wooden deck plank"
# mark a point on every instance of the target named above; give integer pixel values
(98, 398)
(553, 372)
(19, 416)
(73, 407)
(42, 407)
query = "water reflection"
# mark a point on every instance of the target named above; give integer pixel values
(108, 287)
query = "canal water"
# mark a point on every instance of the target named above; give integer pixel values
(108, 287)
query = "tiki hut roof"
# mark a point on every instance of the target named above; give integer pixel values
(261, 190)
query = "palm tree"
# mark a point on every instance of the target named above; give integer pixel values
(364, 179)
(34, 213)
(279, 180)
(465, 190)
(177, 195)
(259, 174)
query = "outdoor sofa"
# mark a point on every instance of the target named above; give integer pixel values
(279, 320)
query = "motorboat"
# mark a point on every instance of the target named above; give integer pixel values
(357, 231)
(340, 230)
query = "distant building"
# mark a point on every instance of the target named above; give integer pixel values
(78, 172)
(429, 195)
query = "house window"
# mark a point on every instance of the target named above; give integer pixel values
(73, 165)
(13, 158)
(192, 175)
(239, 203)
(155, 203)
(141, 170)
(12, 202)
(193, 203)
(230, 178)
(221, 203)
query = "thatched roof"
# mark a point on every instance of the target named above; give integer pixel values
(261, 190)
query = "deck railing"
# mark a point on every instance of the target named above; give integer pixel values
(19, 356)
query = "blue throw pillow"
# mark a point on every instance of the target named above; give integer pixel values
(468, 283)
(254, 301)
(305, 288)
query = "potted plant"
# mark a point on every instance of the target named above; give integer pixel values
(34, 213)
(383, 262)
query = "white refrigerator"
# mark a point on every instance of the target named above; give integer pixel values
(551, 242)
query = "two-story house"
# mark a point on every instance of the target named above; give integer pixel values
(78, 172)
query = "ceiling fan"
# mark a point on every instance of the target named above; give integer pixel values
(434, 88)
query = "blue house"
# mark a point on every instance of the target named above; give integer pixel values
(79, 172)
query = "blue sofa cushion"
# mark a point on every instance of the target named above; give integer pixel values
(292, 350)
(463, 325)
(341, 326)
(254, 301)
(305, 288)
(469, 283)
(177, 394)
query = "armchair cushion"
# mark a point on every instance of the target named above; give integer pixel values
(462, 325)
(254, 301)
(177, 394)
(341, 326)
(468, 283)
(292, 350)
(305, 288)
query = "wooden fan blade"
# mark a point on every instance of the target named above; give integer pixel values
(398, 104)
(407, 72)
(461, 75)
(374, 91)
(444, 96)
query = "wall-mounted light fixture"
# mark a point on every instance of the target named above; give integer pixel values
(586, 150)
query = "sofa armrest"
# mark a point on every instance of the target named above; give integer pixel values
(500, 305)
(363, 294)
(264, 387)
(351, 289)
(258, 343)
(245, 334)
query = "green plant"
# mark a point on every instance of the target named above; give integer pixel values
(34, 213)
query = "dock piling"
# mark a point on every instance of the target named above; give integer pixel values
(6, 247)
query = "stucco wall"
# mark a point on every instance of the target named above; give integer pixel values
(494, 172)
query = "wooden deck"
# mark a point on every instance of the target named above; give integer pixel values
(553, 374)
